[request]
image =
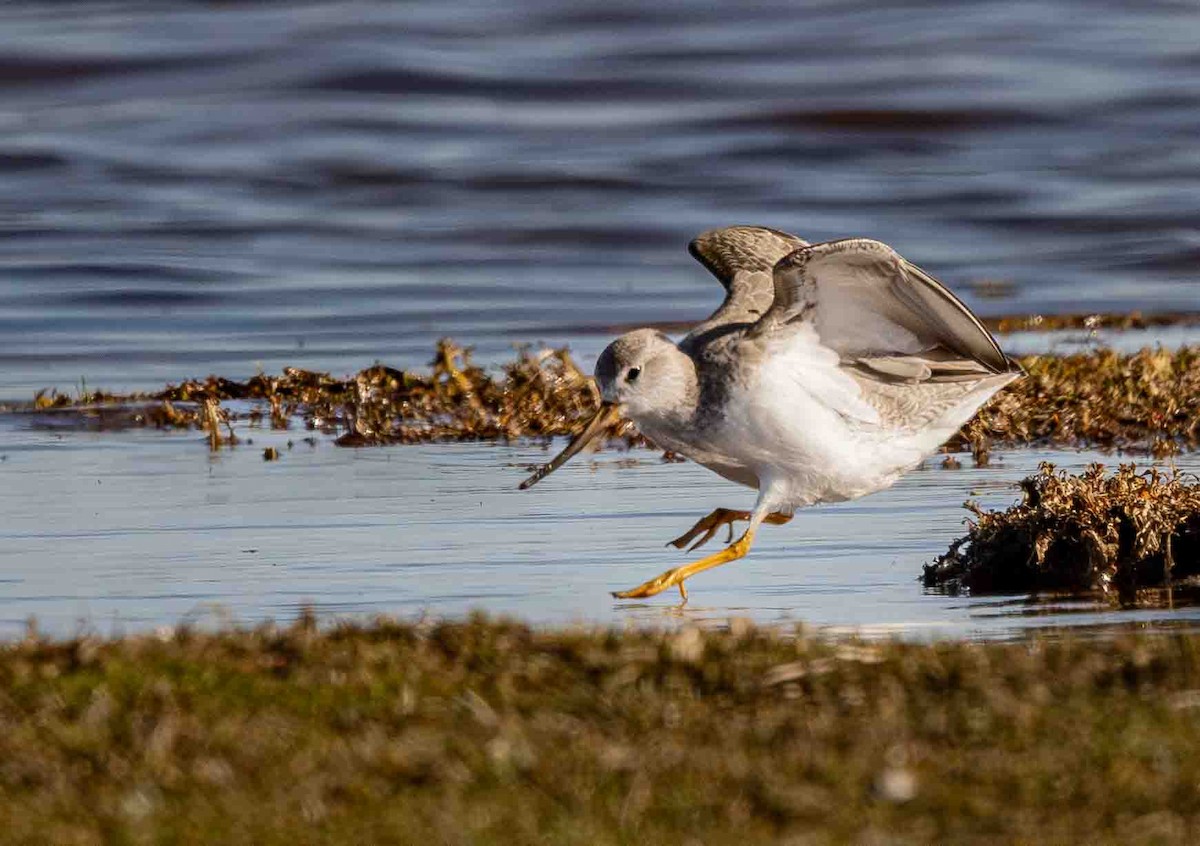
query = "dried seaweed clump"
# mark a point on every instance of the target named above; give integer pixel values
(1114, 533)
(1148, 401)
(1090, 321)
(542, 393)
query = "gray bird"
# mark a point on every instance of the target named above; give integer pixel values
(828, 371)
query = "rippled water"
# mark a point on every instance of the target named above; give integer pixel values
(197, 188)
(117, 532)
(188, 189)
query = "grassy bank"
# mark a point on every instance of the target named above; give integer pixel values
(486, 732)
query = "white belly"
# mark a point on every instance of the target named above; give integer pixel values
(803, 427)
(807, 454)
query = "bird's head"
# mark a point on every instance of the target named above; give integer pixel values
(640, 374)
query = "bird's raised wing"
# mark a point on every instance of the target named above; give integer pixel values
(881, 314)
(742, 258)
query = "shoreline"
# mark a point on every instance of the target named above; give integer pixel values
(1142, 402)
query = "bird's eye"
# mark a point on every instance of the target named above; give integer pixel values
(633, 373)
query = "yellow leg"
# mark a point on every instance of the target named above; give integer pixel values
(676, 576)
(721, 517)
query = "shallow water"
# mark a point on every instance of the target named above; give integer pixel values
(219, 188)
(114, 532)
(200, 188)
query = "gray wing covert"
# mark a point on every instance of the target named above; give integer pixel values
(743, 259)
(883, 315)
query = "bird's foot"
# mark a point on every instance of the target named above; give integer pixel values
(708, 526)
(677, 575)
(655, 586)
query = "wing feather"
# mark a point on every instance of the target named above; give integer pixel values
(880, 313)
(742, 258)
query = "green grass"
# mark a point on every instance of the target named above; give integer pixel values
(489, 732)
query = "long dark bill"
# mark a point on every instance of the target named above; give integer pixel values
(606, 416)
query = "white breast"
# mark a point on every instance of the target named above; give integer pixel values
(804, 428)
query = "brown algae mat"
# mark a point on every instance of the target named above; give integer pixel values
(1090, 321)
(1115, 533)
(490, 732)
(1068, 322)
(540, 394)
(1146, 401)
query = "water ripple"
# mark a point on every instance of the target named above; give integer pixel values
(191, 186)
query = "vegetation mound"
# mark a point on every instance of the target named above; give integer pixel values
(1113, 533)
(1144, 401)
(1147, 401)
(540, 394)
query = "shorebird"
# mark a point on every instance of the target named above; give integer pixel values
(828, 372)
